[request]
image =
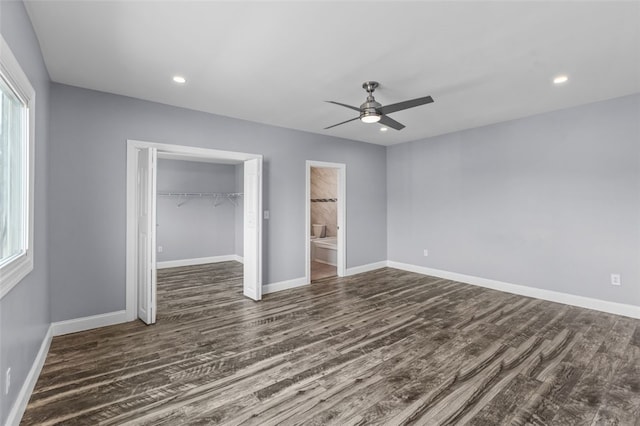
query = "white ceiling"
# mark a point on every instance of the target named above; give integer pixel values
(276, 62)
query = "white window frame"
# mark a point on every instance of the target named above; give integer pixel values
(13, 272)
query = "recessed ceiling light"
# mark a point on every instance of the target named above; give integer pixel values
(179, 79)
(384, 129)
(560, 79)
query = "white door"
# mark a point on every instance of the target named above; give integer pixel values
(253, 228)
(146, 224)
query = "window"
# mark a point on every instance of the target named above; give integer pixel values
(16, 171)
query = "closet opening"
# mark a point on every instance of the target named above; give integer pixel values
(199, 234)
(193, 234)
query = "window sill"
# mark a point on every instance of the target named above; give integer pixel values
(12, 273)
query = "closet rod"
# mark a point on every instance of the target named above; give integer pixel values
(201, 194)
(216, 197)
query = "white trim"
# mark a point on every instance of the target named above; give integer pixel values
(192, 151)
(538, 293)
(341, 267)
(20, 404)
(307, 224)
(302, 281)
(131, 293)
(198, 261)
(133, 146)
(14, 271)
(284, 285)
(366, 268)
(87, 323)
(253, 218)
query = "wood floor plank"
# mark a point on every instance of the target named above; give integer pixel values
(619, 405)
(587, 396)
(383, 347)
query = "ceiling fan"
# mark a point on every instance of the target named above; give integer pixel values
(373, 112)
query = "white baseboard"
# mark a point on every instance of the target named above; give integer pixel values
(299, 282)
(198, 261)
(20, 404)
(365, 268)
(87, 323)
(284, 285)
(538, 293)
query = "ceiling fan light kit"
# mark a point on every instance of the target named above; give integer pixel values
(367, 117)
(372, 111)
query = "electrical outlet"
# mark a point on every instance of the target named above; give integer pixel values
(266, 214)
(7, 381)
(426, 252)
(160, 249)
(615, 279)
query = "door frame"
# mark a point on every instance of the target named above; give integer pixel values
(133, 147)
(341, 220)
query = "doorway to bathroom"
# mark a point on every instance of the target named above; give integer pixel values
(325, 220)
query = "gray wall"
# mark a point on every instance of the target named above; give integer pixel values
(88, 156)
(550, 201)
(197, 228)
(24, 311)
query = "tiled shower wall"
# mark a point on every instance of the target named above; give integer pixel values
(324, 185)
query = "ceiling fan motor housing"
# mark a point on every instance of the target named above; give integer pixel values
(370, 109)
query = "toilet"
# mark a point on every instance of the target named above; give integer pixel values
(319, 230)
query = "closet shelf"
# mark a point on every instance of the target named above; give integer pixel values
(216, 197)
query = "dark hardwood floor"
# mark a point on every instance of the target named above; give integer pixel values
(385, 347)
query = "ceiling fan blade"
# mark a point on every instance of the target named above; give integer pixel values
(345, 105)
(390, 122)
(388, 109)
(343, 123)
